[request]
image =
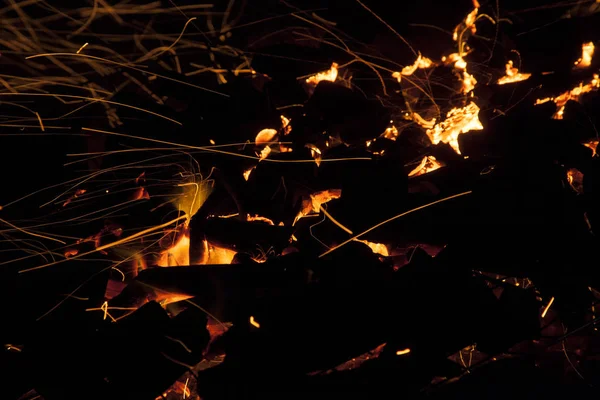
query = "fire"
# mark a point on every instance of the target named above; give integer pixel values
(573, 94)
(592, 144)
(468, 23)
(141, 194)
(285, 125)
(248, 172)
(420, 63)
(512, 75)
(330, 75)
(427, 164)
(377, 248)
(178, 254)
(390, 133)
(316, 200)
(216, 255)
(265, 136)
(460, 65)
(458, 120)
(587, 52)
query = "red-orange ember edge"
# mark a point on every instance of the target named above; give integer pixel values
(458, 120)
(512, 75)
(354, 362)
(573, 94)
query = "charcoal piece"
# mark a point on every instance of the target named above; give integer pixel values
(346, 113)
(103, 359)
(245, 236)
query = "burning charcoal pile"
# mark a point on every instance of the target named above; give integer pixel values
(299, 199)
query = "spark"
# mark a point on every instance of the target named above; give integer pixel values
(253, 322)
(394, 218)
(547, 307)
(403, 352)
(82, 47)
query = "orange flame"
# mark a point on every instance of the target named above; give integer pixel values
(575, 179)
(216, 255)
(420, 63)
(573, 94)
(458, 120)
(178, 254)
(587, 52)
(330, 75)
(377, 248)
(390, 133)
(427, 164)
(592, 144)
(512, 75)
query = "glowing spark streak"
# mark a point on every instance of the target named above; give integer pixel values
(69, 96)
(394, 218)
(109, 245)
(185, 388)
(335, 221)
(105, 309)
(126, 66)
(41, 123)
(121, 272)
(402, 352)
(547, 307)
(31, 233)
(209, 149)
(253, 322)
(82, 47)
(172, 44)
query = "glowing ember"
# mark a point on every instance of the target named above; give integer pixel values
(512, 75)
(458, 120)
(178, 254)
(587, 52)
(285, 125)
(264, 153)
(78, 193)
(402, 352)
(467, 24)
(253, 322)
(592, 144)
(316, 200)
(261, 219)
(330, 75)
(248, 172)
(141, 194)
(420, 63)
(427, 164)
(422, 122)
(468, 82)
(377, 248)
(265, 136)
(575, 179)
(216, 255)
(573, 94)
(390, 133)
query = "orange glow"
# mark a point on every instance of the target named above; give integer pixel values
(71, 253)
(458, 120)
(403, 352)
(422, 122)
(587, 52)
(248, 172)
(547, 307)
(468, 82)
(264, 153)
(178, 254)
(512, 75)
(316, 200)
(420, 63)
(166, 298)
(428, 164)
(78, 193)
(265, 136)
(575, 179)
(253, 322)
(141, 193)
(330, 75)
(216, 255)
(259, 218)
(377, 248)
(390, 133)
(573, 94)
(285, 125)
(469, 23)
(592, 144)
